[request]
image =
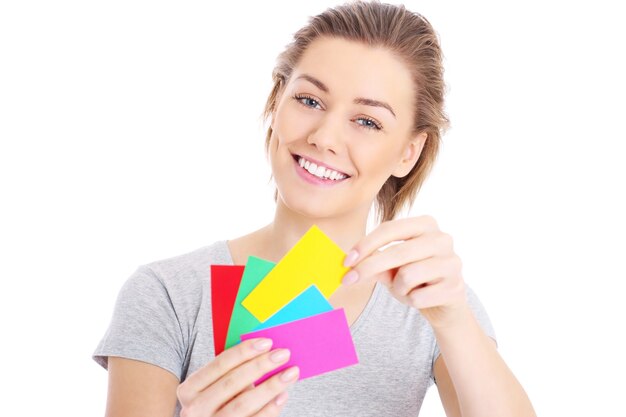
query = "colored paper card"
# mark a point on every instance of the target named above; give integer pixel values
(309, 303)
(225, 281)
(318, 344)
(314, 259)
(241, 321)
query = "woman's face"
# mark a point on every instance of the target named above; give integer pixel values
(346, 115)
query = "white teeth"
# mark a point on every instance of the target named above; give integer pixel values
(320, 171)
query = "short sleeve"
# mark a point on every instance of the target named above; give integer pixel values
(481, 316)
(144, 325)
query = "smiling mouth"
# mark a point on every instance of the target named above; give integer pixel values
(319, 171)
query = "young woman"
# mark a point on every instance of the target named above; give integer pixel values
(356, 117)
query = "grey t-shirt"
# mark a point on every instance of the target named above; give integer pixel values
(163, 316)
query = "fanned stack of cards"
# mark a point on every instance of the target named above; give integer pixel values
(288, 303)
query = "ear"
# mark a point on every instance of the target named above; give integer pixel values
(410, 155)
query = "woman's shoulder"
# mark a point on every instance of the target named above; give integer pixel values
(188, 267)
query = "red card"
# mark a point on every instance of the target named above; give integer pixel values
(225, 280)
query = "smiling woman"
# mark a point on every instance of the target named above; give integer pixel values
(356, 119)
(340, 98)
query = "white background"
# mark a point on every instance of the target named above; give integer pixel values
(130, 132)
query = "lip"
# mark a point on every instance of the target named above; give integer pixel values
(312, 179)
(318, 163)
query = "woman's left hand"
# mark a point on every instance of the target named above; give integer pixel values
(422, 270)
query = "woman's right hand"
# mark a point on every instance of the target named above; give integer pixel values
(225, 386)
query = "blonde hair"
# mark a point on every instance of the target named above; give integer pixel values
(410, 37)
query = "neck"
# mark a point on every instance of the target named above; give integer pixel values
(289, 226)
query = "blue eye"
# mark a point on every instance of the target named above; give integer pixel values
(299, 98)
(371, 124)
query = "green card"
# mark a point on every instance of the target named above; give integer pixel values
(242, 321)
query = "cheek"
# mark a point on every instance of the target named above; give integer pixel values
(374, 162)
(291, 125)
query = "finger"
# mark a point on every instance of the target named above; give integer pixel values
(388, 232)
(254, 400)
(386, 277)
(249, 387)
(235, 382)
(427, 271)
(444, 293)
(223, 363)
(412, 250)
(274, 407)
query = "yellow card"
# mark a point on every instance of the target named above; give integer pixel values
(314, 259)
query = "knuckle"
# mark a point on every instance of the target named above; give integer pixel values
(445, 239)
(189, 410)
(258, 366)
(429, 219)
(261, 366)
(275, 385)
(228, 382)
(407, 274)
(416, 298)
(242, 353)
(402, 282)
(183, 394)
(407, 250)
(219, 364)
(270, 410)
(459, 286)
(457, 262)
(238, 407)
(401, 277)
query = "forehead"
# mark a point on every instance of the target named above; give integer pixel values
(352, 69)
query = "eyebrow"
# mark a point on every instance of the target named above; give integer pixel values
(358, 100)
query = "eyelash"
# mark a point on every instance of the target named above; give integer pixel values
(377, 126)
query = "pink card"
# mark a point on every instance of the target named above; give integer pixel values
(318, 344)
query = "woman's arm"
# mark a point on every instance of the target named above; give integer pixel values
(422, 270)
(139, 389)
(447, 394)
(472, 379)
(223, 387)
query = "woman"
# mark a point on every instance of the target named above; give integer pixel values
(356, 117)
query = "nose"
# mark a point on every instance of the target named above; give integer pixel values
(328, 135)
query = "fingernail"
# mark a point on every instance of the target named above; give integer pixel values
(290, 374)
(280, 355)
(282, 397)
(350, 278)
(263, 344)
(350, 258)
